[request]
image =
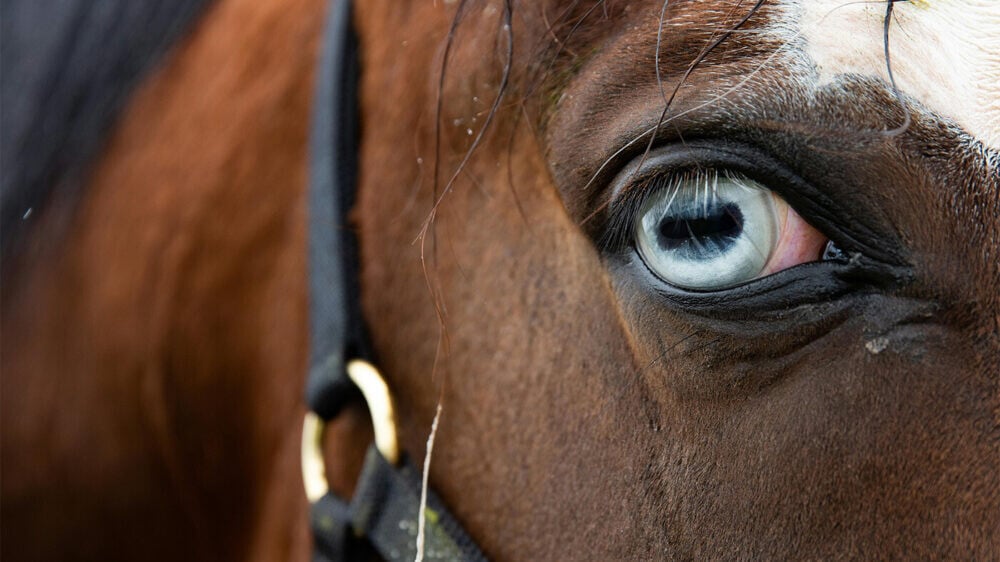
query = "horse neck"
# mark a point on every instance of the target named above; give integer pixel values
(168, 323)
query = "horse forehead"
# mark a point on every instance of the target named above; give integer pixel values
(944, 53)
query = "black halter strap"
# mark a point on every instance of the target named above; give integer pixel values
(336, 327)
(385, 508)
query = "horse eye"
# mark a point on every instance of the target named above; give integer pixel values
(707, 230)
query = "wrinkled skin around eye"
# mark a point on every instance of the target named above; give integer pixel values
(708, 231)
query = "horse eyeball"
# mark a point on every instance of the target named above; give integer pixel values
(708, 230)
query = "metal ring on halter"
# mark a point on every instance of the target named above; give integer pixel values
(376, 393)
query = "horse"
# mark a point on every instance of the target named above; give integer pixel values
(665, 279)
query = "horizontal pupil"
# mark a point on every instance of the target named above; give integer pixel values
(721, 225)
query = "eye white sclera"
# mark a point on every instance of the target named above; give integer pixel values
(708, 231)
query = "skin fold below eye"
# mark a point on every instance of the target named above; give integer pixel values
(709, 230)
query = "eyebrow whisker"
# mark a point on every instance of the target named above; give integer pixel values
(886, 24)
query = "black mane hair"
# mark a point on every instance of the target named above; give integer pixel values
(68, 68)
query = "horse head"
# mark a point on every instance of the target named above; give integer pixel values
(554, 250)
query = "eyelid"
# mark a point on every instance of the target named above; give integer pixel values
(845, 227)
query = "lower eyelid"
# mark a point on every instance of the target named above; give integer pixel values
(799, 242)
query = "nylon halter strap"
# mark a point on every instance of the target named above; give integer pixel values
(385, 507)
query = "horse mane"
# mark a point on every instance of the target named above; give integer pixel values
(68, 71)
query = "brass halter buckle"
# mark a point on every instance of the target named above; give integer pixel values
(376, 393)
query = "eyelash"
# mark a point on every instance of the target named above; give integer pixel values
(627, 200)
(623, 209)
(628, 190)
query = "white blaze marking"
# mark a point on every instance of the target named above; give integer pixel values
(945, 53)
